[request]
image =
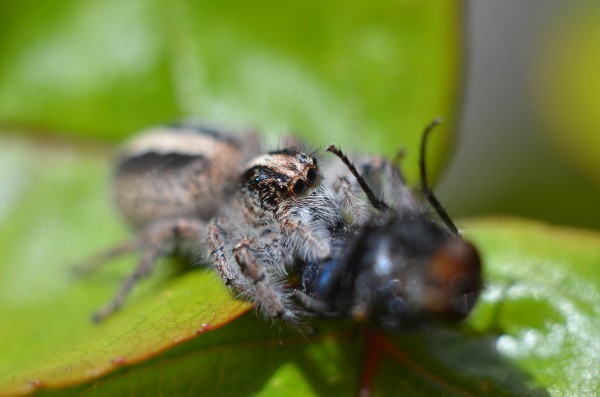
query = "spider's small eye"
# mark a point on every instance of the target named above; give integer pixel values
(282, 188)
(299, 187)
(311, 175)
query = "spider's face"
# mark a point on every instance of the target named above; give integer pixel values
(278, 177)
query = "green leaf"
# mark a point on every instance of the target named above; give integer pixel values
(334, 72)
(542, 300)
(46, 330)
(532, 333)
(367, 75)
(567, 87)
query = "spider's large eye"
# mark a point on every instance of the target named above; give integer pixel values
(299, 187)
(311, 175)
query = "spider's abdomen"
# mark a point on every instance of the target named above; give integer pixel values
(181, 170)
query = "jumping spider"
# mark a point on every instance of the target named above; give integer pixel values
(187, 189)
(291, 216)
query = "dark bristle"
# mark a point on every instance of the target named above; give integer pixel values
(427, 192)
(289, 151)
(375, 202)
(156, 162)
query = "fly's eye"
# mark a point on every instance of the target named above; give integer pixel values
(311, 175)
(299, 187)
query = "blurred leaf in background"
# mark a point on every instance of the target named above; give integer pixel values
(529, 115)
(567, 87)
(367, 75)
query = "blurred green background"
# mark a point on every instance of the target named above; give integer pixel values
(365, 75)
(528, 132)
(530, 124)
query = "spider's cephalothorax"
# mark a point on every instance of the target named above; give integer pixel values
(209, 196)
(286, 187)
(290, 215)
(273, 178)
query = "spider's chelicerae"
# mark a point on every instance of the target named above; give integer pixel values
(192, 190)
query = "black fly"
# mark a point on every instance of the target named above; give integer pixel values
(401, 267)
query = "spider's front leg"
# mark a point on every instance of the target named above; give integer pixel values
(307, 243)
(272, 297)
(253, 269)
(220, 248)
(350, 201)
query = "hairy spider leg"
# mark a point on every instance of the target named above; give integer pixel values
(156, 242)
